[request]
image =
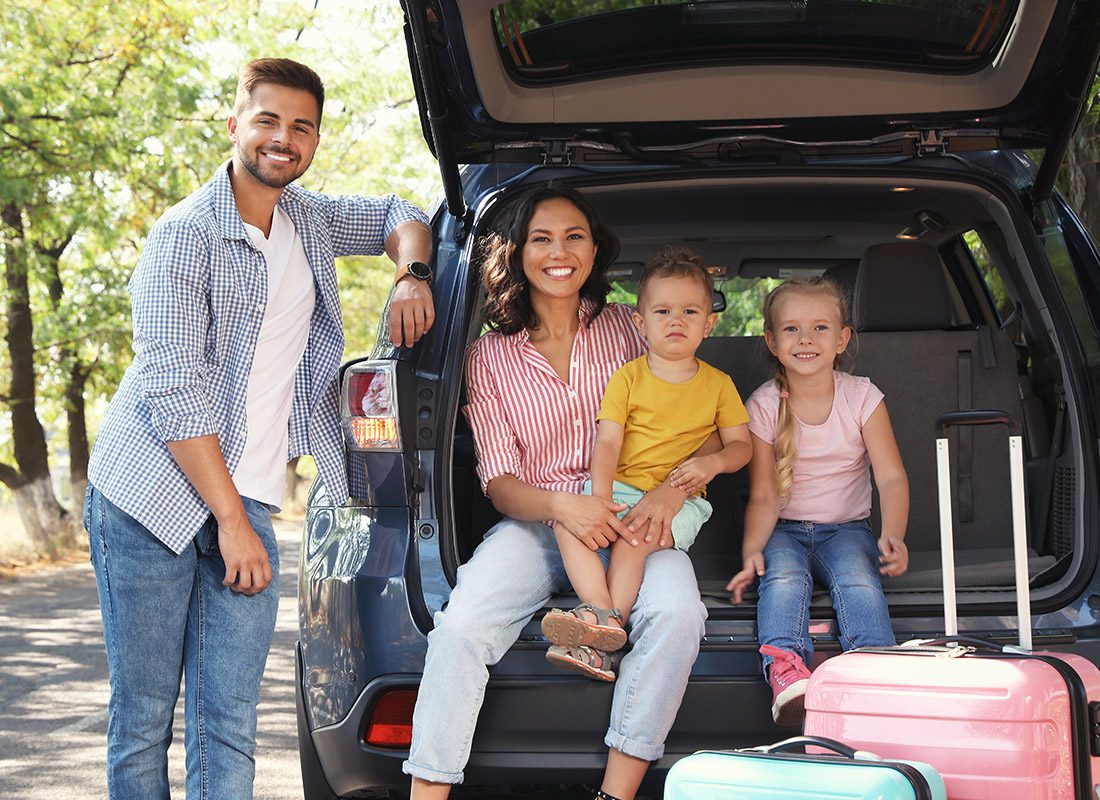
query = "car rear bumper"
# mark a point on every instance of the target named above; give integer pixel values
(545, 728)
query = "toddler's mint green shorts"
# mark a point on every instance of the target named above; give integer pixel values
(685, 525)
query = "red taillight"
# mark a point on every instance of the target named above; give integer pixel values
(391, 719)
(368, 407)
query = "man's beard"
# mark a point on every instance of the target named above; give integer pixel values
(252, 164)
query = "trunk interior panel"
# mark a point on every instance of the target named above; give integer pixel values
(930, 334)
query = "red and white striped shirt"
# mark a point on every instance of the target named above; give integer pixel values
(526, 420)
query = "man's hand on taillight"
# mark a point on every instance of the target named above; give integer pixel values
(412, 311)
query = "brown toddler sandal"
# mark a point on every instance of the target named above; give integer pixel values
(571, 629)
(589, 661)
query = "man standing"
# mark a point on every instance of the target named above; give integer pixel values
(237, 343)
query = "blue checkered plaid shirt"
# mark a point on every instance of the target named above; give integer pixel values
(199, 293)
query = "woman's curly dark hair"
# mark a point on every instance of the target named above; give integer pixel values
(508, 306)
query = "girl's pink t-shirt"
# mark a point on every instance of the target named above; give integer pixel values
(832, 476)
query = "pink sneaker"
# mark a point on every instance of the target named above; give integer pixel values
(788, 678)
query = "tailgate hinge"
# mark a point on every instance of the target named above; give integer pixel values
(557, 152)
(932, 143)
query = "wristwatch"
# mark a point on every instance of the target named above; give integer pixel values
(418, 269)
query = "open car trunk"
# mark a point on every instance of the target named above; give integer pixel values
(954, 323)
(649, 81)
(697, 91)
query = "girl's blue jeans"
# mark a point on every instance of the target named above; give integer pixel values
(167, 617)
(844, 558)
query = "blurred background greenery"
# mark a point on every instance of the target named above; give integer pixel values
(109, 114)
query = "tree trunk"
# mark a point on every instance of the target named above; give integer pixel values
(78, 432)
(51, 529)
(76, 376)
(294, 495)
(1084, 178)
(48, 524)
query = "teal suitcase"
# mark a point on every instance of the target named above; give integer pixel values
(777, 772)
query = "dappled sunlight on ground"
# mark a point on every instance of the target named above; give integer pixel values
(53, 687)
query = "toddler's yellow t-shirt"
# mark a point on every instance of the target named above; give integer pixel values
(664, 423)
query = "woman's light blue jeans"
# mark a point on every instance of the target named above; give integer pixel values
(511, 575)
(167, 616)
(844, 557)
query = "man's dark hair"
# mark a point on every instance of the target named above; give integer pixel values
(508, 306)
(280, 72)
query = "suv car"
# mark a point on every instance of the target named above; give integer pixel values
(906, 148)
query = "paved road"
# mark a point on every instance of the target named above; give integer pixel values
(53, 688)
(53, 691)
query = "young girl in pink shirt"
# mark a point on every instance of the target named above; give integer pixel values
(816, 432)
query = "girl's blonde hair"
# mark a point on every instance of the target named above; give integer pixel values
(784, 424)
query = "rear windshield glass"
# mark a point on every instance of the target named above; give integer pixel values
(550, 41)
(739, 302)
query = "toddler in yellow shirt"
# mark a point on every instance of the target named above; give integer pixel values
(657, 411)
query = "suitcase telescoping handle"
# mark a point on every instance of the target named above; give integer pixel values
(1019, 520)
(955, 419)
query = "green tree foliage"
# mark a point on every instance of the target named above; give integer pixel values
(743, 315)
(109, 114)
(1079, 179)
(371, 141)
(83, 90)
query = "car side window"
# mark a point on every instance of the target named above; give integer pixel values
(1003, 304)
(743, 315)
(1076, 272)
(992, 277)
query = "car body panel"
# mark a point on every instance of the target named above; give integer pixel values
(375, 572)
(1027, 93)
(352, 591)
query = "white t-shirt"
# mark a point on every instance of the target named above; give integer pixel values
(832, 478)
(261, 473)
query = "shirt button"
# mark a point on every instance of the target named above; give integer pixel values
(577, 422)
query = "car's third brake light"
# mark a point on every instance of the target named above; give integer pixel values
(368, 407)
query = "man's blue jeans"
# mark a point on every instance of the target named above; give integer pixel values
(167, 616)
(844, 557)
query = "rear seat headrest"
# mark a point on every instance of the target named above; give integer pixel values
(901, 287)
(844, 275)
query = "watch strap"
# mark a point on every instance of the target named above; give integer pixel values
(418, 269)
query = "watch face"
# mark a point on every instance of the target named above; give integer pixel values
(420, 270)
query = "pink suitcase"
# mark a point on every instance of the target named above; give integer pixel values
(997, 723)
